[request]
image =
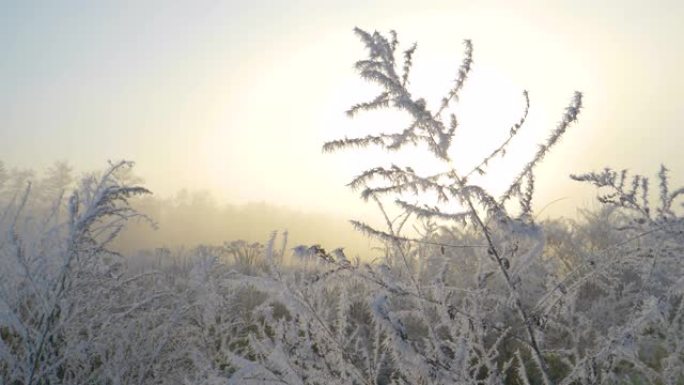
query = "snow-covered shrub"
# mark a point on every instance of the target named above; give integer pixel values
(484, 295)
(499, 292)
(59, 280)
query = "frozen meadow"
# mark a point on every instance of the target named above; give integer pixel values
(470, 289)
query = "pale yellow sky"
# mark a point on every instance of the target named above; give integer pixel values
(238, 97)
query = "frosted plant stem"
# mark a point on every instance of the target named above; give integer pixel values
(504, 272)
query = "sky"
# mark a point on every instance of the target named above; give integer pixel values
(237, 97)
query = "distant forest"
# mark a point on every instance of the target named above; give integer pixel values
(189, 218)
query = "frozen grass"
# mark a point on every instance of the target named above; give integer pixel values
(483, 294)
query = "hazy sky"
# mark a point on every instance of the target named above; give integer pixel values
(236, 97)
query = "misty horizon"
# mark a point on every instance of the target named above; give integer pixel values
(201, 99)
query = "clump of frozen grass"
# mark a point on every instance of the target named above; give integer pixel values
(502, 233)
(52, 267)
(524, 301)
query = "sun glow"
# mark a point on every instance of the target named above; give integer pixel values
(488, 106)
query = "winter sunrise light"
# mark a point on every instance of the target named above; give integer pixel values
(341, 192)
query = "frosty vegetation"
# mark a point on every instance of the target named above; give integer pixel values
(483, 294)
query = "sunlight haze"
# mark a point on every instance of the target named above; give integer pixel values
(236, 98)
